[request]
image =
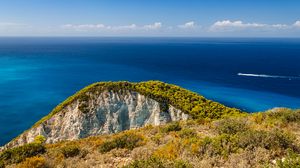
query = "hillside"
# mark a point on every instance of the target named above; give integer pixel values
(269, 139)
(154, 124)
(110, 107)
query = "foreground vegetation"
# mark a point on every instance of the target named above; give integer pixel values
(268, 139)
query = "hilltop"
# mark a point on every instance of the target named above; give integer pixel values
(110, 107)
(154, 124)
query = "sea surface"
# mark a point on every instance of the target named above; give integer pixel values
(252, 74)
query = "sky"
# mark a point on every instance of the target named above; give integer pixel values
(191, 18)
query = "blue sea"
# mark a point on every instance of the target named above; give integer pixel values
(252, 74)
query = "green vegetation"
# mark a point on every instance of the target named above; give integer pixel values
(281, 116)
(2, 165)
(18, 154)
(34, 162)
(226, 144)
(70, 150)
(175, 126)
(128, 140)
(155, 162)
(216, 136)
(292, 160)
(187, 133)
(231, 126)
(269, 139)
(40, 139)
(167, 94)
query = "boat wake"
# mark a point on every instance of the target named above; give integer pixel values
(268, 76)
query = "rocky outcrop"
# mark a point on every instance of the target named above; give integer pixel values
(103, 113)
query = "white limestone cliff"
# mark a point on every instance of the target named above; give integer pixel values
(105, 113)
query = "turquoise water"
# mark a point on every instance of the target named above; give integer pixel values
(38, 73)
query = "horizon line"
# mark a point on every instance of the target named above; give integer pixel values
(233, 37)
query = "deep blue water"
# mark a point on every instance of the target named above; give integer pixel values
(38, 73)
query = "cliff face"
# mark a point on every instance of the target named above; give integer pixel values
(103, 113)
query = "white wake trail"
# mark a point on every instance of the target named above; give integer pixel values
(268, 76)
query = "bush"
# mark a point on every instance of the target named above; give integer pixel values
(170, 151)
(187, 133)
(40, 139)
(174, 126)
(225, 144)
(18, 154)
(222, 145)
(284, 114)
(33, 162)
(127, 140)
(258, 117)
(269, 140)
(70, 151)
(292, 160)
(2, 165)
(154, 162)
(231, 126)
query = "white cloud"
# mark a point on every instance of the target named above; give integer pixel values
(188, 25)
(227, 24)
(84, 27)
(102, 27)
(155, 26)
(297, 24)
(280, 26)
(126, 27)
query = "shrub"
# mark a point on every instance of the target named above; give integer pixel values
(170, 151)
(128, 140)
(33, 162)
(180, 164)
(187, 133)
(258, 117)
(222, 145)
(284, 114)
(157, 138)
(266, 139)
(292, 160)
(154, 162)
(231, 126)
(174, 126)
(70, 151)
(18, 154)
(2, 165)
(40, 139)
(225, 144)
